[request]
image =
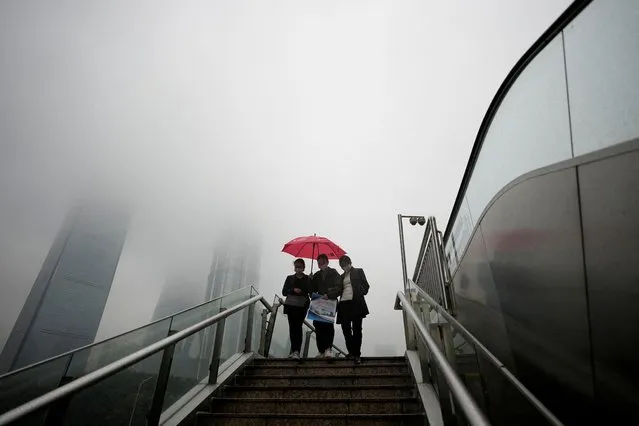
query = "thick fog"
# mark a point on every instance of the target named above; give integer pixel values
(280, 118)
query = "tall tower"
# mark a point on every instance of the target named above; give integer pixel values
(177, 295)
(235, 264)
(65, 305)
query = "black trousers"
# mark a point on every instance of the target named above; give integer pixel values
(352, 329)
(295, 320)
(325, 332)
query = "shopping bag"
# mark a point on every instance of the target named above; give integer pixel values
(324, 310)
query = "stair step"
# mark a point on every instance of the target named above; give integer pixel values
(313, 406)
(320, 392)
(326, 370)
(328, 361)
(269, 419)
(326, 380)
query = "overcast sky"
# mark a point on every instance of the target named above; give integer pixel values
(288, 117)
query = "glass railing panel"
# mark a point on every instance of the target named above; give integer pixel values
(122, 399)
(312, 347)
(231, 299)
(495, 395)
(602, 66)
(92, 358)
(280, 342)
(505, 405)
(235, 329)
(530, 130)
(467, 366)
(234, 335)
(34, 381)
(192, 356)
(257, 326)
(20, 388)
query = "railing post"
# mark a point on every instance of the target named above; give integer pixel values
(409, 332)
(422, 349)
(248, 340)
(307, 343)
(439, 260)
(263, 332)
(153, 416)
(449, 346)
(270, 329)
(402, 250)
(214, 366)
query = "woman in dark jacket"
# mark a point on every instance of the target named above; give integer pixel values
(296, 289)
(352, 309)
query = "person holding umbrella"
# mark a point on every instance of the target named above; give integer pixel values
(352, 309)
(296, 290)
(323, 283)
(310, 247)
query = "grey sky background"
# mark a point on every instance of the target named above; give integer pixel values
(286, 118)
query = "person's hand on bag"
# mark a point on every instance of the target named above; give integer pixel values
(297, 291)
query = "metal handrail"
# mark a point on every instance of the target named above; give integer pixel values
(309, 325)
(544, 411)
(422, 250)
(109, 370)
(468, 405)
(432, 248)
(90, 345)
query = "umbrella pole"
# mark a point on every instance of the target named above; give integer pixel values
(312, 258)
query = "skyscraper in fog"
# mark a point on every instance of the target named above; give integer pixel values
(177, 295)
(235, 265)
(65, 305)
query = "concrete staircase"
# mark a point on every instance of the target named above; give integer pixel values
(380, 391)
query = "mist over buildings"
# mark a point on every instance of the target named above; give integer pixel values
(278, 119)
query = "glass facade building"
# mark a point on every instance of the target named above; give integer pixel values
(65, 305)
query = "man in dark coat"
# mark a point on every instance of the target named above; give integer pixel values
(352, 309)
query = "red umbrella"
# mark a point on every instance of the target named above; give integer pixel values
(312, 246)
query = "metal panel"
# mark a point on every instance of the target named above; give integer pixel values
(533, 240)
(478, 306)
(610, 211)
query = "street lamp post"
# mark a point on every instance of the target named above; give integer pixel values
(413, 220)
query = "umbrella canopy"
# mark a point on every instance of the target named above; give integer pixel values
(312, 246)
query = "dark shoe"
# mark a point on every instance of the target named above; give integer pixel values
(358, 360)
(349, 356)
